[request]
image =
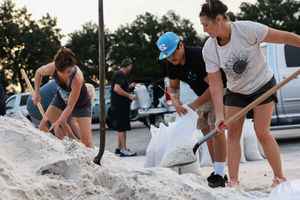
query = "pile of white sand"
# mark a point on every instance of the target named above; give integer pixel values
(37, 166)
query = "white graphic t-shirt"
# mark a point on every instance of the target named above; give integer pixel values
(241, 59)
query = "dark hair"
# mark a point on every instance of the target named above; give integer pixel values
(126, 62)
(213, 8)
(64, 58)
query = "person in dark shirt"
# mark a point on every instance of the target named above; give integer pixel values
(186, 64)
(120, 106)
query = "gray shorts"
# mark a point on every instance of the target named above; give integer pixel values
(85, 111)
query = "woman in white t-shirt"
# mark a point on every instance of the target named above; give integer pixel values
(235, 47)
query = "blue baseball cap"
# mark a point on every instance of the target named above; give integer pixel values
(167, 44)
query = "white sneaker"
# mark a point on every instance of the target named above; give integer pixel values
(127, 153)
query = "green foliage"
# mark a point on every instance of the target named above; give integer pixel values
(280, 14)
(84, 43)
(25, 43)
(135, 40)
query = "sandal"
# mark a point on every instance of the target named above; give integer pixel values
(277, 181)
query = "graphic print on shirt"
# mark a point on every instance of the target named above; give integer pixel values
(191, 76)
(236, 65)
(64, 94)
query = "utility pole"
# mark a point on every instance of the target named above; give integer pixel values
(98, 158)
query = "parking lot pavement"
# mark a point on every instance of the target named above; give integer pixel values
(137, 139)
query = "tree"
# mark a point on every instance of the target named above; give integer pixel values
(84, 43)
(25, 43)
(135, 40)
(280, 14)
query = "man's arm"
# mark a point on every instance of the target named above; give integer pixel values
(118, 89)
(174, 89)
(205, 97)
(175, 96)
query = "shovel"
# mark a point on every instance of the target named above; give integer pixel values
(233, 118)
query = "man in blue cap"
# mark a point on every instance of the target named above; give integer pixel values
(186, 64)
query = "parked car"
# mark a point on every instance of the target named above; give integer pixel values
(284, 60)
(17, 103)
(95, 103)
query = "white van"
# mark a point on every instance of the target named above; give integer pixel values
(284, 60)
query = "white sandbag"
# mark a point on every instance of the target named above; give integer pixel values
(169, 118)
(157, 146)
(181, 135)
(134, 105)
(250, 142)
(289, 190)
(143, 96)
(194, 167)
(150, 151)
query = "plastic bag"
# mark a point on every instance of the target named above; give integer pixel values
(157, 146)
(143, 96)
(289, 190)
(250, 142)
(181, 135)
(150, 151)
(134, 105)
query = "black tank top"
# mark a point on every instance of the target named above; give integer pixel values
(64, 90)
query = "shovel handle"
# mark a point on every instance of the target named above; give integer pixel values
(242, 112)
(39, 105)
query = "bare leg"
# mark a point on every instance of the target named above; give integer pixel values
(75, 127)
(85, 126)
(216, 146)
(122, 140)
(209, 143)
(202, 124)
(233, 144)
(219, 147)
(262, 120)
(52, 114)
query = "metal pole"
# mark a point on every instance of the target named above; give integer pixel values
(98, 158)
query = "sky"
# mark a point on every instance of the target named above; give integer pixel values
(72, 15)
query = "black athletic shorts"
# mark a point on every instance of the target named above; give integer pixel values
(242, 100)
